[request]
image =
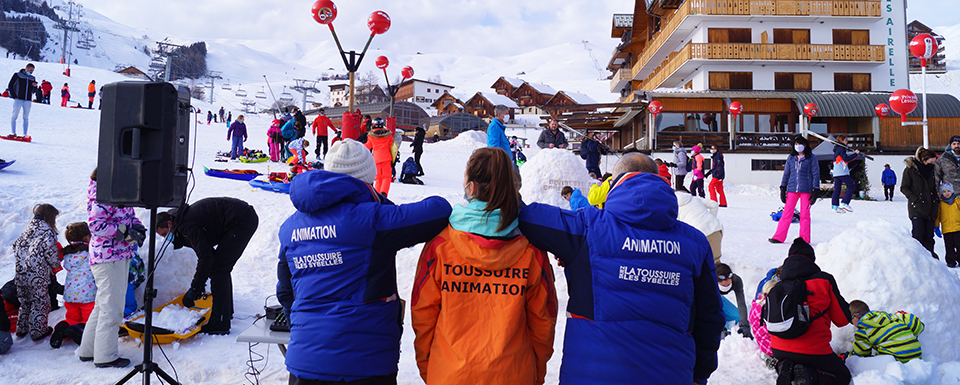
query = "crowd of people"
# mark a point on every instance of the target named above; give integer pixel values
(24, 89)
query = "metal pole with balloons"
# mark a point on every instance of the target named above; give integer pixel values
(923, 46)
(325, 12)
(406, 72)
(654, 107)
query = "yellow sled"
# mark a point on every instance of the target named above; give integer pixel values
(165, 336)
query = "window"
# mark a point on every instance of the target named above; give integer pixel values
(731, 80)
(792, 81)
(767, 164)
(851, 36)
(851, 82)
(729, 35)
(791, 36)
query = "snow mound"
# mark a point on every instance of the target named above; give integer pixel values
(885, 370)
(548, 171)
(176, 318)
(175, 270)
(467, 140)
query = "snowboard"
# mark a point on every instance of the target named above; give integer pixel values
(17, 138)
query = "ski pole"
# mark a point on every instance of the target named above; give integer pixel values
(836, 143)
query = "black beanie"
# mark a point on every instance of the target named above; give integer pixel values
(801, 247)
(955, 138)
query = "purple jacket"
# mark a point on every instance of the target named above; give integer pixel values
(237, 129)
(103, 221)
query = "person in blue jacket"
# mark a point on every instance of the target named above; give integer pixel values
(644, 303)
(337, 270)
(590, 151)
(800, 183)
(889, 182)
(575, 197)
(841, 175)
(496, 137)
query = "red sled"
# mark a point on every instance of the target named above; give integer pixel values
(17, 138)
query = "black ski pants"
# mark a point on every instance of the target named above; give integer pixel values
(952, 242)
(923, 232)
(888, 191)
(390, 379)
(696, 188)
(829, 367)
(321, 141)
(228, 251)
(679, 183)
(416, 158)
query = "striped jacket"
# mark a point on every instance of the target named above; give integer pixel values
(884, 333)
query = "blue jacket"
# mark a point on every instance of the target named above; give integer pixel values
(496, 136)
(590, 151)
(801, 176)
(889, 177)
(288, 130)
(840, 159)
(644, 303)
(578, 201)
(237, 129)
(338, 275)
(717, 166)
(409, 167)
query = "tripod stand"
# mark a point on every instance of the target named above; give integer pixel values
(148, 366)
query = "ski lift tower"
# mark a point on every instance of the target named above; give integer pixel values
(305, 86)
(214, 75)
(325, 12)
(249, 106)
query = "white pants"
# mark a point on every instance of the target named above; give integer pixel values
(17, 105)
(100, 334)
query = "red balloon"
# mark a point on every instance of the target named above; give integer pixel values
(903, 102)
(923, 46)
(810, 109)
(882, 110)
(324, 11)
(378, 22)
(655, 108)
(736, 108)
(407, 72)
(382, 62)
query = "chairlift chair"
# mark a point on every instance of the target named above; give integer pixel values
(241, 93)
(226, 85)
(260, 94)
(285, 96)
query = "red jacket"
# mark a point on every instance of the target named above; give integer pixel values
(664, 171)
(46, 87)
(825, 299)
(320, 125)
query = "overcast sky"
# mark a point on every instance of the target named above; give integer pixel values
(488, 27)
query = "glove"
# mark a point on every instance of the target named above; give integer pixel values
(191, 297)
(744, 330)
(137, 233)
(936, 230)
(814, 195)
(783, 194)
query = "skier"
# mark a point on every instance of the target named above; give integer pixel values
(91, 93)
(209, 116)
(64, 95)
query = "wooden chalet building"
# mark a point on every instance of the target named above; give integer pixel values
(938, 63)
(506, 86)
(482, 104)
(135, 73)
(564, 98)
(447, 104)
(531, 96)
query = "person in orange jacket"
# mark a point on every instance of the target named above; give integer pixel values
(91, 92)
(484, 304)
(380, 140)
(320, 126)
(64, 95)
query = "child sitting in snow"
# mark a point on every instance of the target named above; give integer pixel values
(80, 289)
(734, 315)
(408, 173)
(575, 197)
(884, 333)
(948, 222)
(298, 147)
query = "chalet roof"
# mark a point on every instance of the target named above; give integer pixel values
(513, 81)
(131, 70)
(576, 97)
(497, 99)
(542, 88)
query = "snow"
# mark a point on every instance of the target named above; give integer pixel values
(544, 174)
(176, 318)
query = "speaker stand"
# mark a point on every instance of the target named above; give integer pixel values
(149, 293)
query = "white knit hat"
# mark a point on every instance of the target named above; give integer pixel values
(352, 158)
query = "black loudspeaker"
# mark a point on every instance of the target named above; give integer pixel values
(144, 132)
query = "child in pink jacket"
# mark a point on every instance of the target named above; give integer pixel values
(274, 139)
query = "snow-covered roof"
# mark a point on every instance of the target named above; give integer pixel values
(543, 88)
(513, 81)
(579, 98)
(497, 99)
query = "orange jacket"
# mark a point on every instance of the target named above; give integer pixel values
(320, 125)
(380, 146)
(483, 310)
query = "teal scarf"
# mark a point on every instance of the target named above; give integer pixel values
(473, 219)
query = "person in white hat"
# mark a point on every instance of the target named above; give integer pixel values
(337, 269)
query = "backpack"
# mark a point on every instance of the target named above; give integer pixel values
(689, 163)
(786, 312)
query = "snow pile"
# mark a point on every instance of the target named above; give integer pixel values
(548, 171)
(177, 318)
(880, 264)
(175, 269)
(467, 140)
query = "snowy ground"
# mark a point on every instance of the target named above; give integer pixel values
(869, 251)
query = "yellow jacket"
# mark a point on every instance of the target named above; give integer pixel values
(598, 193)
(483, 310)
(948, 219)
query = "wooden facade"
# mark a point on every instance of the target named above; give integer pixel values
(526, 95)
(479, 106)
(504, 87)
(447, 104)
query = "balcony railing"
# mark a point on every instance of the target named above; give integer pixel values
(841, 8)
(620, 79)
(737, 51)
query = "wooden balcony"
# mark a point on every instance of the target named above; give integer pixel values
(753, 141)
(620, 79)
(818, 8)
(753, 52)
